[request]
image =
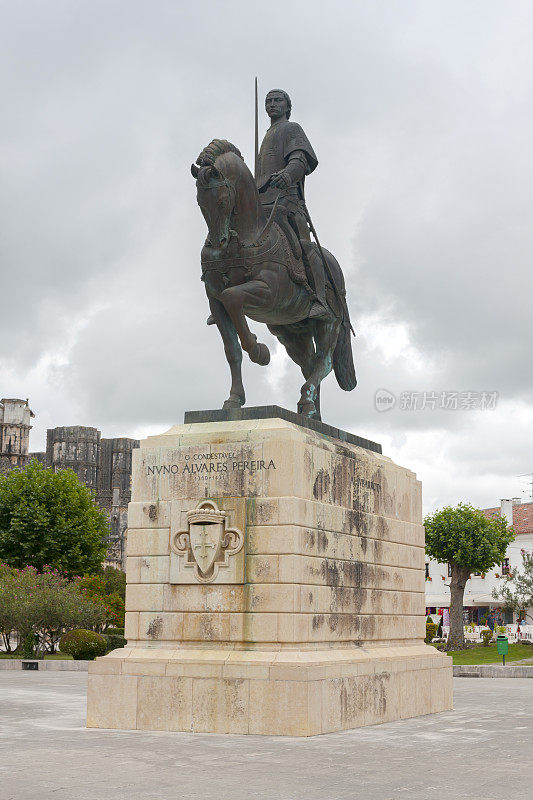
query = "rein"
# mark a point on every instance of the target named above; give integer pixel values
(261, 250)
(240, 259)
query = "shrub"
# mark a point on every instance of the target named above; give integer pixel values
(431, 631)
(27, 646)
(113, 641)
(486, 635)
(40, 606)
(82, 644)
(115, 631)
(108, 587)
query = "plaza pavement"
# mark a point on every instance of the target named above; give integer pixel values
(480, 751)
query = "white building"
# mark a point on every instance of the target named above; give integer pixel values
(15, 426)
(478, 599)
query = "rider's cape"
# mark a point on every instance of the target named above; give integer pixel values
(282, 139)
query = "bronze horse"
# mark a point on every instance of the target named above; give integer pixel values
(251, 269)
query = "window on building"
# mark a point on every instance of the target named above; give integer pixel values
(427, 570)
(505, 566)
(449, 570)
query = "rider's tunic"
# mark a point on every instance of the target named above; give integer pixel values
(281, 140)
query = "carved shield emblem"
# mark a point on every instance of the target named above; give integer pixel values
(207, 542)
(205, 537)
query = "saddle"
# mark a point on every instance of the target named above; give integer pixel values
(276, 245)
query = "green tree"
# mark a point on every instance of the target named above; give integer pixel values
(470, 542)
(114, 581)
(9, 612)
(39, 606)
(108, 587)
(50, 518)
(517, 593)
(61, 604)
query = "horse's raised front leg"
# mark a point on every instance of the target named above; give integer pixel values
(254, 294)
(325, 339)
(233, 352)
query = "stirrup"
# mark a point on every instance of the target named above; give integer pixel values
(320, 311)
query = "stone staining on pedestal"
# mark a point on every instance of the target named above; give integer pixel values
(299, 610)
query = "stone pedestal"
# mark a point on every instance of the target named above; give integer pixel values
(275, 586)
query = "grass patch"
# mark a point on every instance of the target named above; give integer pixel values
(52, 656)
(489, 655)
(65, 657)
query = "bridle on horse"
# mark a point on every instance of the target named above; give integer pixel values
(248, 256)
(233, 195)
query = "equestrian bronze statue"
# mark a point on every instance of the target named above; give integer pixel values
(259, 261)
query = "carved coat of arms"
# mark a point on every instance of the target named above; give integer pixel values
(207, 542)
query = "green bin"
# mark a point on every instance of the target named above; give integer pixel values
(502, 643)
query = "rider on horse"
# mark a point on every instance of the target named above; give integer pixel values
(258, 260)
(285, 158)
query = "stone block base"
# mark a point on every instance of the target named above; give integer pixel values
(286, 692)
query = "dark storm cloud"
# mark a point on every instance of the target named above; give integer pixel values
(420, 116)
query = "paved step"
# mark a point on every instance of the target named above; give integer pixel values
(492, 671)
(44, 664)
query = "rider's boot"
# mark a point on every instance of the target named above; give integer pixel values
(319, 309)
(211, 320)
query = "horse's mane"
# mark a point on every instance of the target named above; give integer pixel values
(216, 148)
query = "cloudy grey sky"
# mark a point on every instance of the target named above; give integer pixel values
(421, 116)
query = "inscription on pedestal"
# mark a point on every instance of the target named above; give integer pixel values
(211, 464)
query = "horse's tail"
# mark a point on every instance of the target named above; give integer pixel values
(343, 358)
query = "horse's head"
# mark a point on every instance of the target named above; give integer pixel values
(224, 185)
(216, 198)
